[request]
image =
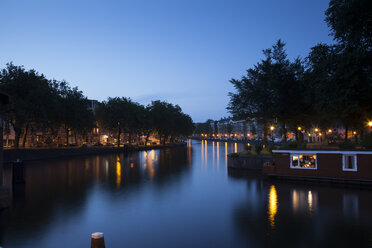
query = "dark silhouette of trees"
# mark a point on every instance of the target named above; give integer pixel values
(333, 87)
(31, 96)
(269, 91)
(49, 105)
(169, 121)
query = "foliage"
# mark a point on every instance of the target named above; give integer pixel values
(39, 104)
(258, 147)
(366, 141)
(332, 87)
(270, 90)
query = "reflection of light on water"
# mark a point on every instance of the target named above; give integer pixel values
(295, 200)
(304, 201)
(351, 205)
(213, 153)
(206, 153)
(189, 152)
(273, 205)
(202, 152)
(118, 171)
(150, 164)
(236, 147)
(218, 154)
(107, 168)
(226, 154)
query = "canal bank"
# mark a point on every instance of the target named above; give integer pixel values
(247, 161)
(11, 155)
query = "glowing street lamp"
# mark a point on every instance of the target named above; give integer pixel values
(329, 130)
(316, 129)
(299, 128)
(354, 132)
(370, 123)
(272, 135)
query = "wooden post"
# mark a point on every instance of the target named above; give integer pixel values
(97, 240)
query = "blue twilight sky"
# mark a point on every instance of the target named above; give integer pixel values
(184, 52)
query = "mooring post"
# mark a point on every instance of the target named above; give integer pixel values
(97, 240)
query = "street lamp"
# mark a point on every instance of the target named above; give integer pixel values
(370, 123)
(272, 128)
(299, 128)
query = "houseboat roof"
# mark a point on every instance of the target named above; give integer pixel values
(324, 151)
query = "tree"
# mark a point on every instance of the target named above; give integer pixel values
(350, 22)
(270, 91)
(33, 99)
(74, 114)
(119, 114)
(169, 121)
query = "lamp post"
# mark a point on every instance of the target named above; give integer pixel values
(272, 128)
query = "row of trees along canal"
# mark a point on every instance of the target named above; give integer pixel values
(47, 106)
(331, 87)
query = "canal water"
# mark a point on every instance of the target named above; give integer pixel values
(179, 197)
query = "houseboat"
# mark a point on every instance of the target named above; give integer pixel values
(326, 165)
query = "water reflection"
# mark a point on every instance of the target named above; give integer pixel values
(118, 171)
(313, 216)
(214, 153)
(174, 198)
(273, 205)
(304, 201)
(61, 189)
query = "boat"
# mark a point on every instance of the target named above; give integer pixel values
(349, 166)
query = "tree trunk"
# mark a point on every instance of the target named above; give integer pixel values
(75, 138)
(17, 132)
(284, 130)
(265, 133)
(25, 136)
(119, 133)
(245, 130)
(67, 136)
(147, 138)
(346, 131)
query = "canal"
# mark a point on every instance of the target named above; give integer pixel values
(179, 197)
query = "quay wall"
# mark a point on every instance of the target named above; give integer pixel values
(11, 155)
(247, 162)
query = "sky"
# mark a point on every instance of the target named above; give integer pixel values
(181, 51)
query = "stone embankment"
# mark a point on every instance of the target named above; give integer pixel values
(11, 155)
(247, 161)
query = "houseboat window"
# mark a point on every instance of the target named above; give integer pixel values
(305, 161)
(349, 163)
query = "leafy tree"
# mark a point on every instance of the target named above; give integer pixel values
(32, 99)
(74, 114)
(169, 121)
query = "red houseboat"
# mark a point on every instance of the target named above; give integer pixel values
(330, 165)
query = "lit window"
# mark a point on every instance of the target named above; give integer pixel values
(349, 162)
(303, 161)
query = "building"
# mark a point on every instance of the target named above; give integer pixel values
(330, 165)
